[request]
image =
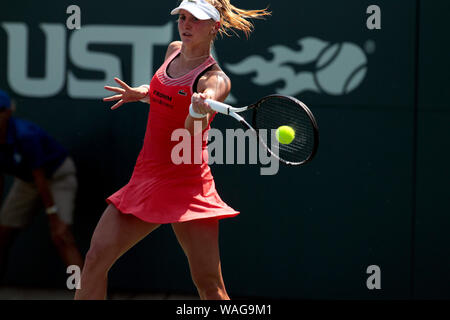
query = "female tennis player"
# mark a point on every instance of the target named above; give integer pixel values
(160, 192)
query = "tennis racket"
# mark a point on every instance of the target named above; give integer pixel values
(272, 112)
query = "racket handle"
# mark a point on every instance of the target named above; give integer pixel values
(219, 106)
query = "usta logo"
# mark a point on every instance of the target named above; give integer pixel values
(338, 68)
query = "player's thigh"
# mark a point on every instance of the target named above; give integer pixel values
(116, 232)
(200, 242)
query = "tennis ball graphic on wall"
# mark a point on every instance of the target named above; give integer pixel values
(340, 68)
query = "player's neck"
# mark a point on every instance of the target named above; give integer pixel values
(194, 54)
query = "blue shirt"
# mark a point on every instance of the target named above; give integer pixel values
(27, 148)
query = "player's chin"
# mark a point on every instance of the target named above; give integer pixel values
(186, 37)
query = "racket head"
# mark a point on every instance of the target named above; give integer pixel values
(274, 111)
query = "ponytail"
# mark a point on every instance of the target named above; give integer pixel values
(233, 18)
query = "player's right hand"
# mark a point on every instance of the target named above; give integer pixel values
(125, 94)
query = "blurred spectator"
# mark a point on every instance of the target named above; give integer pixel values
(44, 175)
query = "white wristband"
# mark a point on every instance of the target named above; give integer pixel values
(51, 210)
(146, 99)
(195, 114)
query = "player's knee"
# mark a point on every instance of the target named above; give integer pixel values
(94, 254)
(98, 257)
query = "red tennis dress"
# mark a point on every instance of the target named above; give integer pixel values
(161, 191)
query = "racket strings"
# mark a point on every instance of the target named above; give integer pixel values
(275, 112)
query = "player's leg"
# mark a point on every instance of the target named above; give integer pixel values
(114, 235)
(200, 242)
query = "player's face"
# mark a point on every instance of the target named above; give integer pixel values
(193, 30)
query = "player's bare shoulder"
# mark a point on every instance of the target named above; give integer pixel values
(217, 71)
(173, 46)
(215, 79)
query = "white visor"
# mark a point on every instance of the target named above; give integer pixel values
(198, 8)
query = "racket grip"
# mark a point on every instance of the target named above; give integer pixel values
(218, 106)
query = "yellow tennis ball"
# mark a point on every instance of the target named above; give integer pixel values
(285, 134)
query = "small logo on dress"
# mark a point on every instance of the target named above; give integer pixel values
(182, 92)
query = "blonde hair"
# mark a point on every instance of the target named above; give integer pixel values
(232, 18)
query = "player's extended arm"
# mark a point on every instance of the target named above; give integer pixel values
(213, 85)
